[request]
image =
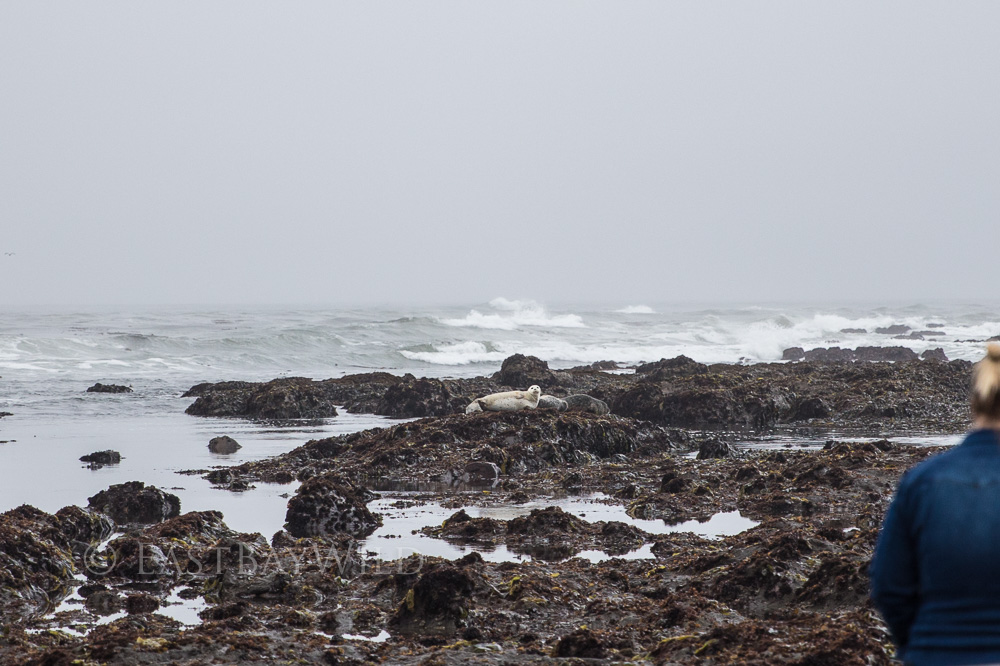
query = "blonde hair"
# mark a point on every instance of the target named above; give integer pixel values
(986, 384)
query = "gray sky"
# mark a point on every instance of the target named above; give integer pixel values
(432, 152)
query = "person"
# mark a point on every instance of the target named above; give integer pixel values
(935, 574)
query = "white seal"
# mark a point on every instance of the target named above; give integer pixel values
(508, 401)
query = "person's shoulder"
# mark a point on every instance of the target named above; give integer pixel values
(926, 470)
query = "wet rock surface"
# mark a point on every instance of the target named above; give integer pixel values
(109, 388)
(101, 458)
(135, 502)
(544, 584)
(329, 504)
(224, 445)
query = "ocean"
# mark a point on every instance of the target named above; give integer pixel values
(48, 358)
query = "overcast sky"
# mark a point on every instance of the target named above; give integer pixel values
(435, 152)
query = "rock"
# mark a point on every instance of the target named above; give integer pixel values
(136, 604)
(109, 388)
(481, 472)
(286, 398)
(224, 445)
(893, 354)
(581, 644)
(831, 355)
(102, 458)
(667, 369)
(868, 354)
(895, 329)
(810, 408)
(548, 402)
(3, 414)
(519, 371)
(437, 603)
(82, 527)
(793, 354)
(713, 448)
(135, 502)
(585, 403)
(934, 355)
(328, 504)
(414, 397)
(36, 561)
(854, 331)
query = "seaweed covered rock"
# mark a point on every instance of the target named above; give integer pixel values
(36, 560)
(135, 502)
(286, 398)
(437, 604)
(102, 458)
(520, 371)
(667, 369)
(414, 397)
(109, 388)
(330, 504)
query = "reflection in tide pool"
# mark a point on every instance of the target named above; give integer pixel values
(400, 535)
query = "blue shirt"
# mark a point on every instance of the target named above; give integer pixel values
(935, 575)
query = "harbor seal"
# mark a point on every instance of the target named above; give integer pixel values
(473, 407)
(585, 403)
(508, 401)
(552, 402)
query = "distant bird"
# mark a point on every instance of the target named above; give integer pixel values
(9, 254)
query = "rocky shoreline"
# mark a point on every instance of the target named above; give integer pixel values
(81, 586)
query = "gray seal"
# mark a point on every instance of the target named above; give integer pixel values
(552, 402)
(584, 403)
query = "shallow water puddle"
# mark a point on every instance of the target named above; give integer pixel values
(400, 536)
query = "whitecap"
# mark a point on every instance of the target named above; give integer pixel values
(512, 315)
(636, 309)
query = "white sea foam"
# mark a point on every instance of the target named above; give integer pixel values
(512, 315)
(636, 309)
(462, 353)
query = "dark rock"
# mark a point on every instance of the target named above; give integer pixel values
(103, 601)
(934, 355)
(286, 398)
(109, 388)
(869, 354)
(481, 472)
(581, 644)
(600, 366)
(36, 561)
(713, 448)
(667, 369)
(520, 371)
(135, 502)
(810, 408)
(854, 331)
(437, 604)
(136, 604)
(831, 355)
(895, 329)
(83, 527)
(585, 403)
(329, 504)
(224, 445)
(3, 414)
(793, 354)
(108, 457)
(414, 397)
(893, 354)
(546, 522)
